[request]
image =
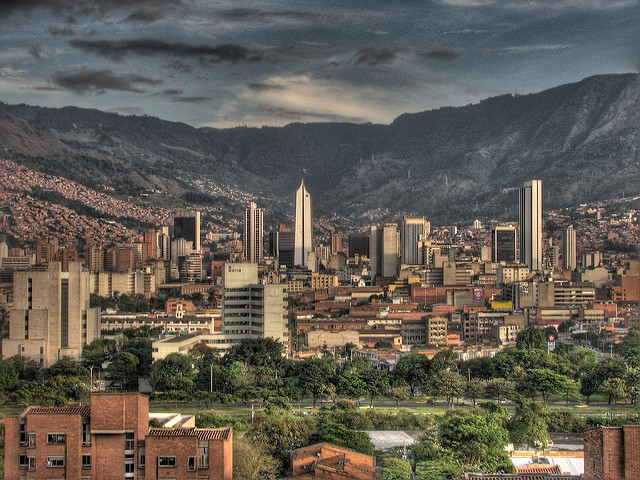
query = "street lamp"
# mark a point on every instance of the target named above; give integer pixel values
(211, 378)
(91, 380)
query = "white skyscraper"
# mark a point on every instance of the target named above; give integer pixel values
(303, 231)
(531, 224)
(569, 252)
(253, 233)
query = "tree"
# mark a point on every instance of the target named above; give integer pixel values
(412, 369)
(632, 385)
(439, 469)
(377, 383)
(566, 327)
(444, 360)
(351, 384)
(256, 352)
(314, 375)
(279, 436)
(141, 348)
(474, 390)
(400, 393)
(392, 468)
(529, 424)
(172, 373)
(67, 367)
(383, 344)
(475, 439)
(615, 388)
(123, 370)
(531, 338)
(251, 461)
(98, 352)
(499, 388)
(448, 384)
(545, 381)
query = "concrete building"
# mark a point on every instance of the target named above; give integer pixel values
(358, 245)
(253, 233)
(303, 230)
(412, 232)
(530, 220)
(188, 228)
(251, 309)
(385, 250)
(51, 317)
(503, 245)
(285, 246)
(569, 252)
(109, 440)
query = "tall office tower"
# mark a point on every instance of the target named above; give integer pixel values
(190, 267)
(569, 251)
(412, 231)
(253, 233)
(95, 258)
(503, 245)
(164, 243)
(385, 247)
(51, 317)
(336, 242)
(188, 228)
(358, 245)
(46, 249)
(531, 224)
(286, 240)
(251, 309)
(150, 245)
(303, 230)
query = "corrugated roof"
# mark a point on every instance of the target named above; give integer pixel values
(85, 411)
(200, 433)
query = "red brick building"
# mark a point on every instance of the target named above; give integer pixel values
(109, 440)
(324, 461)
(612, 453)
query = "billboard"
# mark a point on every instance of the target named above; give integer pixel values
(502, 305)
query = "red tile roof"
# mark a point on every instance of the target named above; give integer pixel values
(200, 433)
(85, 411)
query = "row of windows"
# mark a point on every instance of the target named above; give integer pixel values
(29, 438)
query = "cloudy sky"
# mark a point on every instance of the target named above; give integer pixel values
(255, 63)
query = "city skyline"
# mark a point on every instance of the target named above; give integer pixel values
(255, 64)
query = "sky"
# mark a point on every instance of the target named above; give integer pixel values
(225, 64)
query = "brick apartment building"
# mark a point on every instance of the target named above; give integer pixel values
(324, 461)
(612, 453)
(111, 439)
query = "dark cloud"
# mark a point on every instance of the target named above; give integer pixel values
(62, 31)
(36, 51)
(146, 14)
(261, 87)
(251, 15)
(73, 7)
(440, 55)
(190, 99)
(85, 80)
(170, 92)
(127, 110)
(180, 66)
(117, 50)
(374, 56)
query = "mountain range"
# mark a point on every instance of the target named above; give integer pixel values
(451, 164)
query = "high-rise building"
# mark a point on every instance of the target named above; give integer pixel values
(385, 246)
(503, 245)
(46, 249)
(303, 230)
(150, 245)
(253, 233)
(164, 243)
(51, 317)
(358, 245)
(285, 246)
(412, 231)
(251, 309)
(531, 224)
(569, 251)
(336, 242)
(188, 228)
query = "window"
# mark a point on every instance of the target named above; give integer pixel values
(56, 437)
(32, 463)
(55, 461)
(31, 440)
(167, 461)
(141, 455)
(85, 478)
(203, 455)
(86, 461)
(23, 462)
(129, 441)
(191, 463)
(129, 469)
(23, 432)
(86, 434)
